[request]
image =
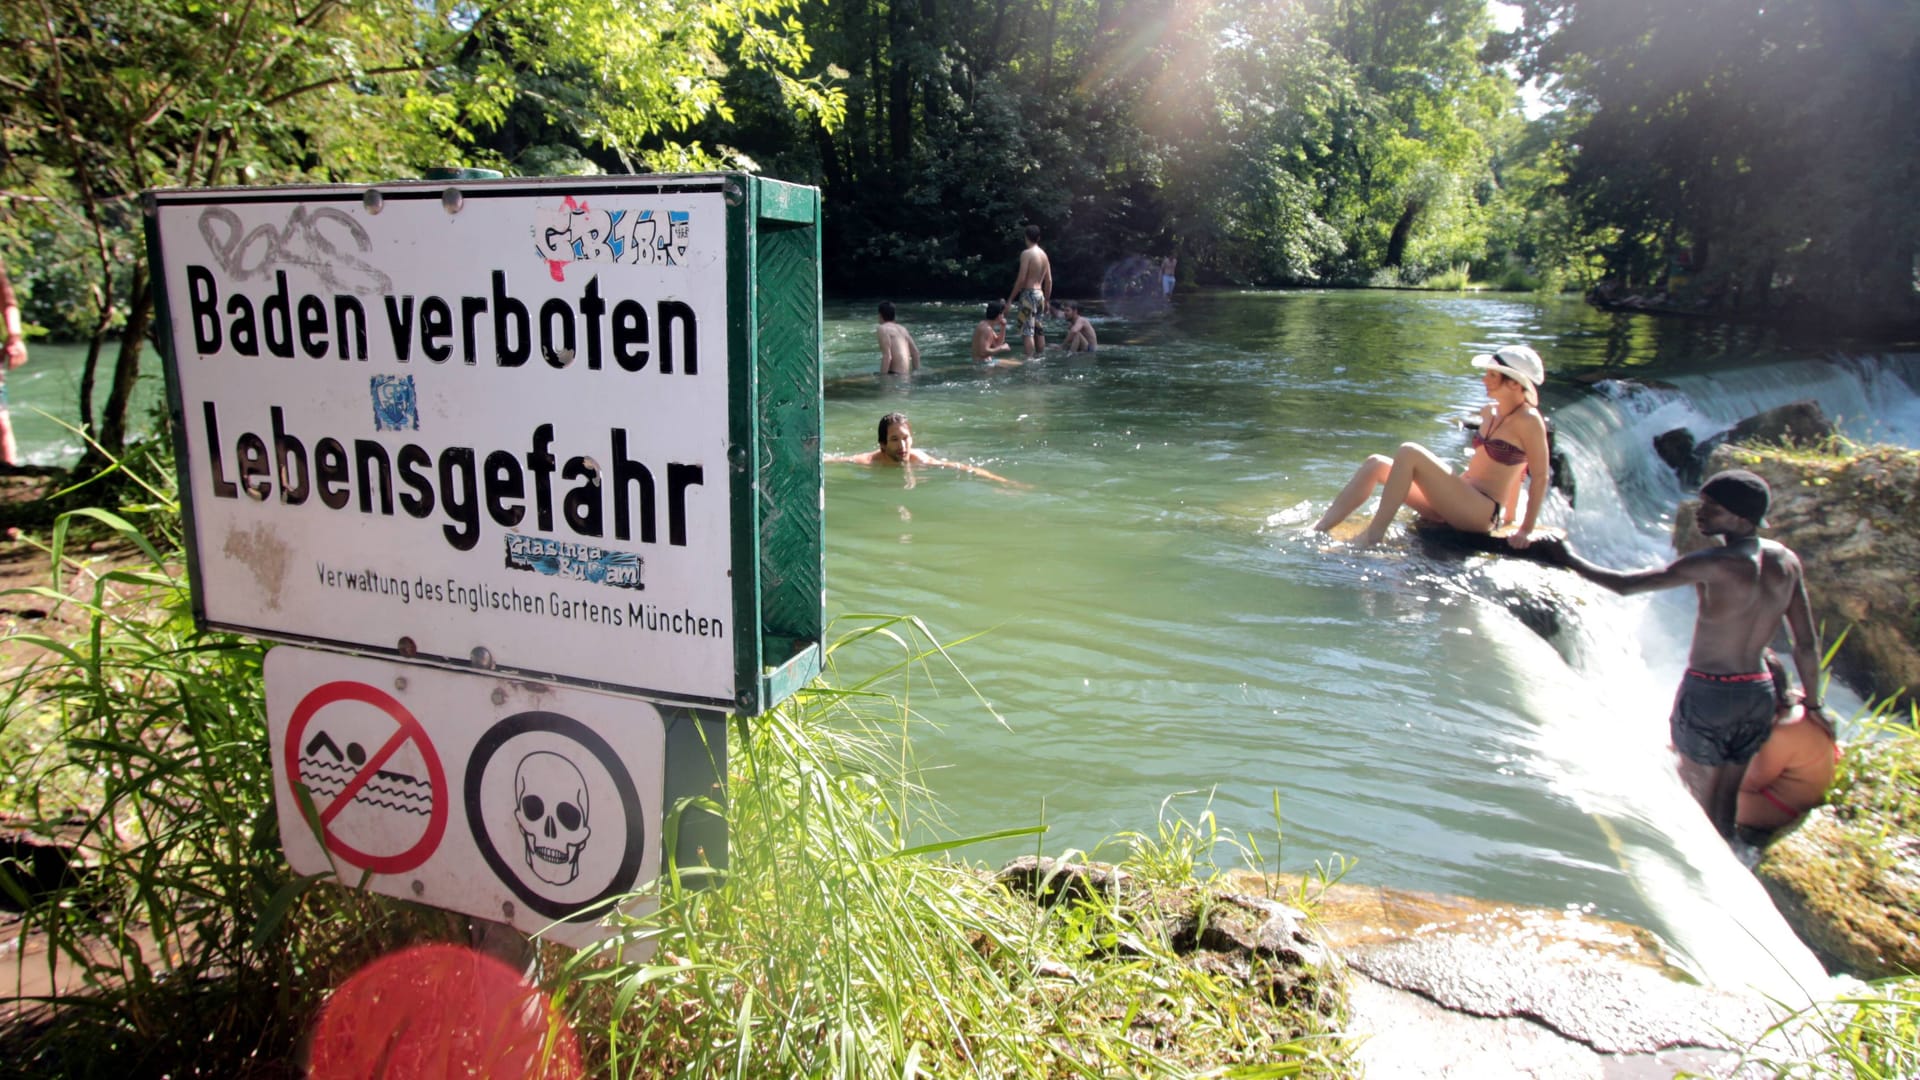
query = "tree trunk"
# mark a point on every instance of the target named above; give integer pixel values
(899, 83)
(1403, 232)
(87, 372)
(126, 371)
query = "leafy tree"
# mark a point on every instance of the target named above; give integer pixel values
(108, 98)
(1766, 148)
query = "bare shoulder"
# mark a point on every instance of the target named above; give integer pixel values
(1775, 553)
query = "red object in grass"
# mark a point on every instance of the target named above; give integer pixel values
(441, 1011)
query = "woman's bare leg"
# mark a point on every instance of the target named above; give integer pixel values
(1371, 474)
(1434, 491)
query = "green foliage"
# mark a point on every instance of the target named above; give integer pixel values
(109, 98)
(831, 946)
(1767, 145)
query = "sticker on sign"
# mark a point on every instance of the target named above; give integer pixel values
(557, 812)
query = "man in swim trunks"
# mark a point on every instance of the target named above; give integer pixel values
(1725, 708)
(1032, 289)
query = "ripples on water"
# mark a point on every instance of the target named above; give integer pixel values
(1158, 622)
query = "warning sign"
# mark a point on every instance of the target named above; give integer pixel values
(374, 779)
(554, 813)
(558, 811)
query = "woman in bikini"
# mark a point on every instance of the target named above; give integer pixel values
(1511, 440)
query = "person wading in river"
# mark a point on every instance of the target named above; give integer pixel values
(1725, 707)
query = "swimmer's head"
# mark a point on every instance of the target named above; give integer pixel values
(1741, 493)
(995, 307)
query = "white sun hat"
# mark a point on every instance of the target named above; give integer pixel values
(1519, 362)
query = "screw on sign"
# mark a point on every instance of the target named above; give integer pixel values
(376, 781)
(435, 1011)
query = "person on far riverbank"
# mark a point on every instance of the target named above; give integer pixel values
(16, 355)
(896, 448)
(899, 354)
(1745, 586)
(1511, 441)
(1032, 290)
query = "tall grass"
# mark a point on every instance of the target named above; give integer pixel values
(832, 947)
(184, 935)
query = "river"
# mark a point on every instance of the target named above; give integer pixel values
(1156, 626)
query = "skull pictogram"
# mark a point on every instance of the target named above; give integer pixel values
(550, 806)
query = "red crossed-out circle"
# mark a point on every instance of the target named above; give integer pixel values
(408, 730)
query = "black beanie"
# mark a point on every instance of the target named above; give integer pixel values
(1740, 491)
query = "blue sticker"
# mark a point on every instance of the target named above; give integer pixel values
(394, 406)
(574, 561)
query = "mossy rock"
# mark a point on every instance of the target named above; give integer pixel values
(1848, 880)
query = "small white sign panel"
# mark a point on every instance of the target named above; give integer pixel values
(529, 805)
(485, 417)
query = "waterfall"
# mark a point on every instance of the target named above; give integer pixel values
(1603, 711)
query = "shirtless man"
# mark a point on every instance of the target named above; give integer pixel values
(1032, 289)
(898, 353)
(1725, 708)
(896, 448)
(990, 335)
(1080, 335)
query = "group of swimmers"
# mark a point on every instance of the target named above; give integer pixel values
(1031, 302)
(1731, 705)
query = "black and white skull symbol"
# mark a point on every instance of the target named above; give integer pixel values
(550, 806)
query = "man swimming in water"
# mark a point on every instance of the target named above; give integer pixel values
(1725, 707)
(896, 448)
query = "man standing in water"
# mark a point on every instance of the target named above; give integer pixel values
(1032, 289)
(1725, 708)
(899, 355)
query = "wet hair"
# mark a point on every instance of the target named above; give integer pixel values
(1073, 306)
(887, 422)
(886, 311)
(1033, 234)
(995, 307)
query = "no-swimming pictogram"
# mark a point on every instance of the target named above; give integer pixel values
(376, 783)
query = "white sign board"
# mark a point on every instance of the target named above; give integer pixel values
(529, 805)
(466, 424)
